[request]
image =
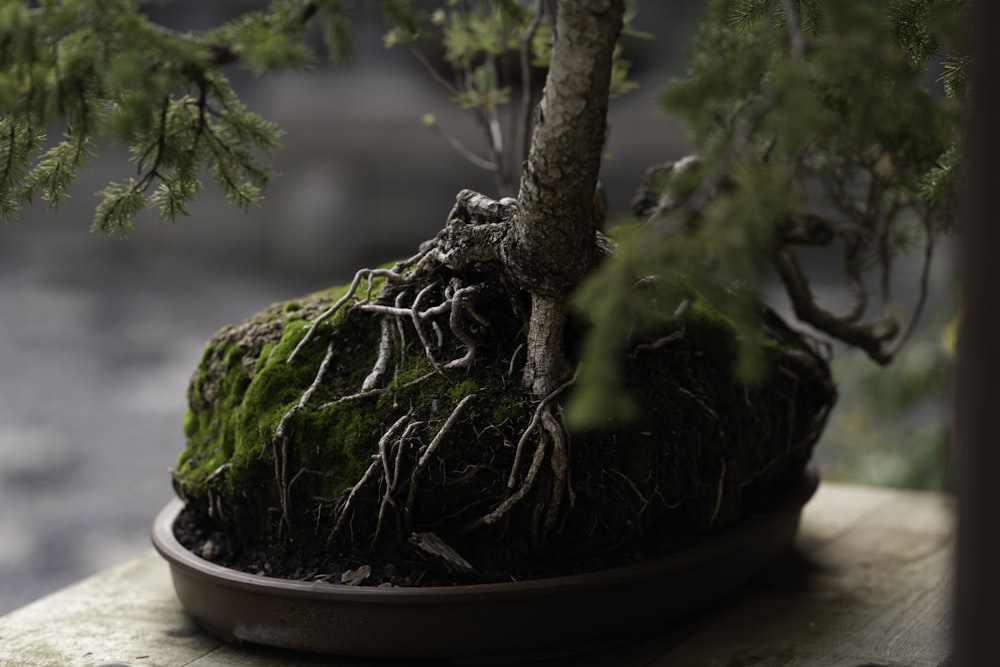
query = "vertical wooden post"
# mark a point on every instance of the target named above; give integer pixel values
(977, 595)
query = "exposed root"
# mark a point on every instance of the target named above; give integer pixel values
(350, 295)
(378, 462)
(551, 437)
(393, 473)
(559, 461)
(719, 492)
(382, 363)
(513, 360)
(411, 297)
(415, 318)
(348, 505)
(400, 326)
(279, 442)
(501, 467)
(643, 500)
(387, 468)
(215, 507)
(658, 343)
(353, 397)
(425, 458)
(461, 301)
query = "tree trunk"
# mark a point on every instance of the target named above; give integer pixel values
(552, 245)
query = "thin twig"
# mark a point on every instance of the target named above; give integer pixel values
(869, 338)
(925, 272)
(435, 74)
(657, 344)
(527, 93)
(495, 133)
(462, 149)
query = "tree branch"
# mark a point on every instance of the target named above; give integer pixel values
(869, 338)
(794, 28)
(527, 93)
(461, 148)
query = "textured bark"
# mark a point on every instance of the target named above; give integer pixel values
(546, 364)
(552, 242)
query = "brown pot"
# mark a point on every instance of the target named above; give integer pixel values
(538, 618)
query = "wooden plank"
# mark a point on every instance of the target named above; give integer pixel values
(868, 584)
(874, 589)
(127, 615)
(257, 656)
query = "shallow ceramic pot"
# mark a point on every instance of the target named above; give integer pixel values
(496, 622)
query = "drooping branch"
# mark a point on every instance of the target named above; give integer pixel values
(871, 338)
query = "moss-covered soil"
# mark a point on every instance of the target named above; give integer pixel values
(707, 451)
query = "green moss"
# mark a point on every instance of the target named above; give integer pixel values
(239, 396)
(343, 436)
(411, 372)
(190, 424)
(462, 389)
(206, 354)
(507, 406)
(265, 356)
(210, 425)
(698, 421)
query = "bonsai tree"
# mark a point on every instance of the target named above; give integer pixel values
(524, 394)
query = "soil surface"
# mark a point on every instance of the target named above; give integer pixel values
(399, 564)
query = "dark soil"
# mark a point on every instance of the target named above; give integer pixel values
(397, 563)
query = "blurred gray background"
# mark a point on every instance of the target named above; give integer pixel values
(98, 337)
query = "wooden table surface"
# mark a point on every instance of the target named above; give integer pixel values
(868, 585)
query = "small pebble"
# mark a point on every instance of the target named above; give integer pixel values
(209, 550)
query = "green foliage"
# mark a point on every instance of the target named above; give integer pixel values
(405, 21)
(813, 121)
(810, 127)
(102, 73)
(19, 142)
(939, 187)
(648, 288)
(336, 29)
(488, 46)
(266, 40)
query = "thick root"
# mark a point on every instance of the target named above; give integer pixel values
(411, 300)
